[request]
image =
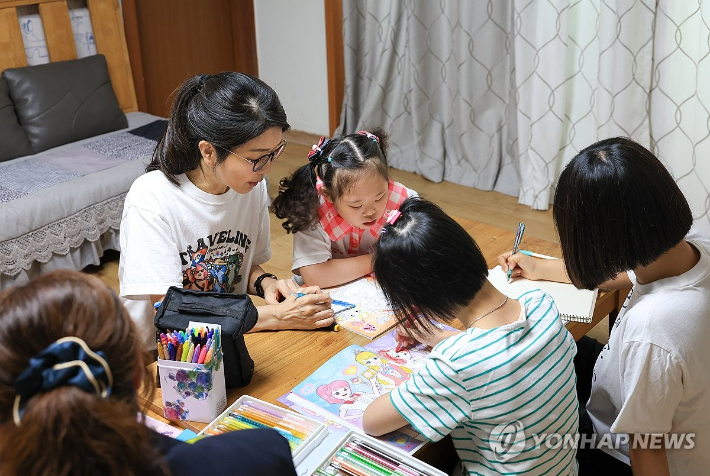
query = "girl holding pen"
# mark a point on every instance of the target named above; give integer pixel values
(512, 365)
(71, 364)
(623, 222)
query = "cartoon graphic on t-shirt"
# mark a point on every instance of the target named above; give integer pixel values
(215, 267)
(198, 278)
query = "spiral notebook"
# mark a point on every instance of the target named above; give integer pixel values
(574, 304)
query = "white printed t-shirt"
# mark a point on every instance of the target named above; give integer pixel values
(314, 246)
(519, 376)
(183, 236)
(653, 376)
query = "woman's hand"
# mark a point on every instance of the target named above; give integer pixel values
(276, 291)
(306, 312)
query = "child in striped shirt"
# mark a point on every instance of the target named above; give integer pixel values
(504, 388)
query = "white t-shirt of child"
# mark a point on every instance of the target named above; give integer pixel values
(314, 246)
(183, 236)
(653, 377)
(516, 380)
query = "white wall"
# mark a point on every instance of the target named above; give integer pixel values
(290, 43)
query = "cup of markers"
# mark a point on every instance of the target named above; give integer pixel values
(191, 370)
(301, 432)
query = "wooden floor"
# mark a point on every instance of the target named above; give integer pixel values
(491, 208)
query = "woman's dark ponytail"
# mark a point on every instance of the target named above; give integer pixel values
(226, 109)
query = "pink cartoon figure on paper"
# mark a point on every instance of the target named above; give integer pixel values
(350, 405)
(388, 375)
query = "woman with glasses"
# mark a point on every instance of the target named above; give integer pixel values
(199, 219)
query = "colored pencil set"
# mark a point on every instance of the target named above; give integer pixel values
(195, 345)
(252, 413)
(356, 456)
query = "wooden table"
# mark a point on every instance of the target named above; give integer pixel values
(284, 359)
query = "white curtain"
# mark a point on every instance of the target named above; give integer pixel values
(500, 94)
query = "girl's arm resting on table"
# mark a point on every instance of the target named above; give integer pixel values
(336, 271)
(381, 417)
(648, 462)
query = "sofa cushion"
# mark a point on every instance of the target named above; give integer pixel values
(63, 102)
(12, 136)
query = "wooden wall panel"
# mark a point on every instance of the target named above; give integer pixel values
(244, 37)
(176, 39)
(57, 31)
(106, 21)
(12, 50)
(335, 60)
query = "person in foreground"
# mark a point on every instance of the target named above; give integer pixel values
(623, 222)
(199, 217)
(71, 364)
(508, 376)
(336, 204)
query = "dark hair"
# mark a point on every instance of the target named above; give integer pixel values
(340, 164)
(427, 264)
(227, 110)
(67, 431)
(616, 207)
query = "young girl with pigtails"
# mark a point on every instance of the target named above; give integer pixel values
(336, 205)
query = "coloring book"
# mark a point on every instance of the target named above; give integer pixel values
(371, 316)
(340, 390)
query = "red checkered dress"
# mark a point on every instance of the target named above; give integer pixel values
(337, 228)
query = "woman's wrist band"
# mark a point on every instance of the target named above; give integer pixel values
(257, 284)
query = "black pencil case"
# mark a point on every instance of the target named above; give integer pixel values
(235, 313)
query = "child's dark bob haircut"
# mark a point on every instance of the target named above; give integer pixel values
(616, 207)
(427, 264)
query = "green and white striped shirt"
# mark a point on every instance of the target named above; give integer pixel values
(516, 379)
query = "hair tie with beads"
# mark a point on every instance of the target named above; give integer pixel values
(315, 153)
(370, 136)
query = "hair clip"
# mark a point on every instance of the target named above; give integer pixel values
(393, 216)
(370, 136)
(330, 159)
(315, 151)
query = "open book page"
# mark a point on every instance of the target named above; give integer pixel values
(371, 316)
(572, 303)
(340, 390)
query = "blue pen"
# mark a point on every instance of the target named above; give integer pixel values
(335, 301)
(516, 244)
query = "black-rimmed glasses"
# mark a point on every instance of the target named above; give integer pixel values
(260, 163)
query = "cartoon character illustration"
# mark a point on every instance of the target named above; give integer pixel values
(218, 268)
(198, 278)
(351, 405)
(388, 375)
(403, 357)
(234, 264)
(196, 256)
